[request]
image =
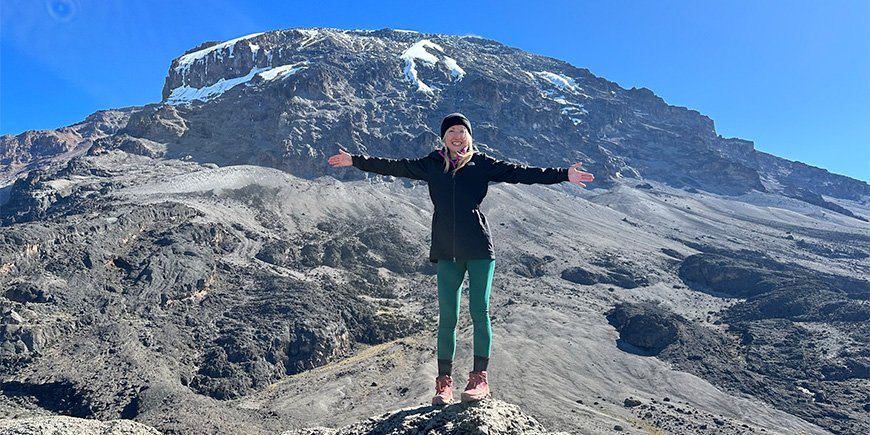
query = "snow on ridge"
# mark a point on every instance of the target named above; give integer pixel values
(311, 36)
(283, 70)
(563, 85)
(186, 94)
(559, 80)
(418, 52)
(457, 72)
(185, 61)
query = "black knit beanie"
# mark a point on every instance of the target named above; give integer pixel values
(454, 119)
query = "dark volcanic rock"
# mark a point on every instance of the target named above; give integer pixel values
(615, 273)
(773, 359)
(121, 269)
(28, 292)
(647, 326)
(816, 199)
(829, 251)
(631, 402)
(774, 343)
(61, 397)
(744, 274)
(579, 275)
(288, 327)
(740, 277)
(533, 267)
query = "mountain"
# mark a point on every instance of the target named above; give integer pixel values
(196, 266)
(283, 99)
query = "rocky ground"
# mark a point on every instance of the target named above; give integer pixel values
(487, 417)
(199, 299)
(72, 426)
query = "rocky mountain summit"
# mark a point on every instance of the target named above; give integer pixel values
(195, 266)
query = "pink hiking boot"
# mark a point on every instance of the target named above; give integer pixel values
(477, 388)
(443, 391)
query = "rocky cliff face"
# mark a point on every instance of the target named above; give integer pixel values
(382, 93)
(195, 266)
(32, 149)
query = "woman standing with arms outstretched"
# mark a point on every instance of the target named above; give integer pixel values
(458, 177)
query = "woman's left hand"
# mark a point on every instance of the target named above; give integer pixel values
(578, 177)
(341, 160)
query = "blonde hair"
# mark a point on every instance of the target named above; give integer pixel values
(462, 160)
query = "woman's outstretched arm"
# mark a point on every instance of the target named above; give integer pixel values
(414, 169)
(501, 171)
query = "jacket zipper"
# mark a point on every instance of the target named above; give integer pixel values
(454, 216)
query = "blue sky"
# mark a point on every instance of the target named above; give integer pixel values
(793, 76)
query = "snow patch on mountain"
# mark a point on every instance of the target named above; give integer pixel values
(560, 81)
(559, 88)
(455, 70)
(187, 94)
(311, 37)
(283, 71)
(418, 52)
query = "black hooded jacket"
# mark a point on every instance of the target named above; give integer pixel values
(459, 229)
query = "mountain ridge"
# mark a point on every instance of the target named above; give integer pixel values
(644, 142)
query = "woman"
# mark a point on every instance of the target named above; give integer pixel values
(458, 177)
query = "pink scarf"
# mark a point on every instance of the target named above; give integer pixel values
(459, 155)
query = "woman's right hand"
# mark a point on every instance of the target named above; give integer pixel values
(340, 160)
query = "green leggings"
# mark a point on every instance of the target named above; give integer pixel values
(450, 277)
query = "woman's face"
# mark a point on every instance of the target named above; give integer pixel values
(457, 138)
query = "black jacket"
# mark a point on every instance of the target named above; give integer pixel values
(459, 229)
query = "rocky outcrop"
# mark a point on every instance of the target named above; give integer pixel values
(798, 176)
(817, 199)
(781, 305)
(614, 272)
(646, 327)
(22, 153)
(73, 426)
(492, 417)
(810, 380)
(32, 145)
(748, 274)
